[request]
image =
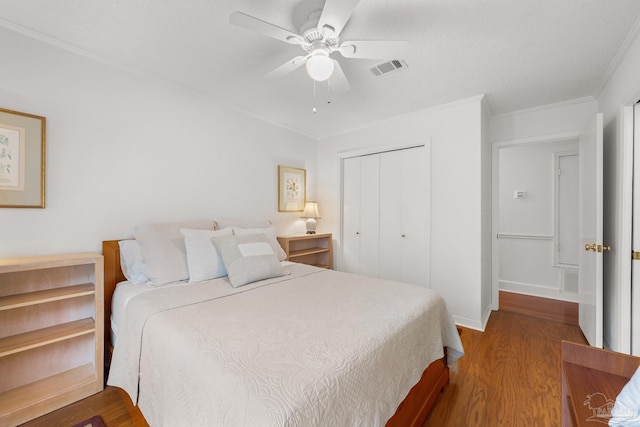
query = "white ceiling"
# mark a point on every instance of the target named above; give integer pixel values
(520, 53)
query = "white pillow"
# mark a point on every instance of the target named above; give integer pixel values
(270, 232)
(131, 261)
(163, 250)
(248, 258)
(203, 259)
(626, 410)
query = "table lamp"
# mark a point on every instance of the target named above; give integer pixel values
(311, 213)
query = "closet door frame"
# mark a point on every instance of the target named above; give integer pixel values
(378, 150)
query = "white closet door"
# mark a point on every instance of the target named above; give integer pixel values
(369, 215)
(391, 206)
(351, 215)
(415, 216)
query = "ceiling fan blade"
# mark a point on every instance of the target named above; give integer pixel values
(373, 49)
(254, 24)
(338, 81)
(287, 67)
(336, 13)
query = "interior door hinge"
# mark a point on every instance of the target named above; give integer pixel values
(635, 255)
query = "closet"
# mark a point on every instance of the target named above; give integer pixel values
(385, 214)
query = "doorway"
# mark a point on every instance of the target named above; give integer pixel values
(535, 205)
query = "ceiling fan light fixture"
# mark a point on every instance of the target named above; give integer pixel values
(320, 66)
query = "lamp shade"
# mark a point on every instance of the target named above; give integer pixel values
(320, 66)
(311, 210)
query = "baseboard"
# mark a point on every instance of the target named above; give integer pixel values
(485, 316)
(469, 323)
(537, 291)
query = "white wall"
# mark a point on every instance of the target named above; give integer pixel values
(456, 196)
(527, 226)
(543, 122)
(622, 89)
(124, 149)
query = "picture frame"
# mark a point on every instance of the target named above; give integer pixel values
(22, 159)
(292, 189)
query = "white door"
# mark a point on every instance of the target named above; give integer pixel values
(590, 225)
(351, 215)
(369, 215)
(391, 208)
(415, 216)
(635, 265)
(404, 215)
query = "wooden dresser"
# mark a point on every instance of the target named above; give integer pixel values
(592, 378)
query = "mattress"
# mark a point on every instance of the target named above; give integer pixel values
(313, 348)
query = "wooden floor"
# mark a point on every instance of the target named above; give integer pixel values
(509, 375)
(546, 308)
(113, 405)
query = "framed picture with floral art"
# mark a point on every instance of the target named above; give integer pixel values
(22, 160)
(291, 189)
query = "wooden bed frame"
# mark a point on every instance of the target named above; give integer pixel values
(412, 411)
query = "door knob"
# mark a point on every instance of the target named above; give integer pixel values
(590, 247)
(601, 248)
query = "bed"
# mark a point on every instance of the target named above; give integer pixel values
(279, 351)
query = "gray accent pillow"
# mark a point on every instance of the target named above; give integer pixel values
(248, 258)
(270, 232)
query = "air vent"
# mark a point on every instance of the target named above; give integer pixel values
(389, 67)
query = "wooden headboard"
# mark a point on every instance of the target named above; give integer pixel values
(112, 276)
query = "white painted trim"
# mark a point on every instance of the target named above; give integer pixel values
(556, 201)
(367, 151)
(625, 221)
(568, 266)
(485, 317)
(524, 236)
(548, 106)
(495, 247)
(468, 323)
(537, 290)
(557, 137)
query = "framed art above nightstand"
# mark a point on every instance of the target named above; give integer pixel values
(312, 249)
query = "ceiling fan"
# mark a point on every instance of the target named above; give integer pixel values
(319, 38)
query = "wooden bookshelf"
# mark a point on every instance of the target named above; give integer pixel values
(312, 249)
(51, 329)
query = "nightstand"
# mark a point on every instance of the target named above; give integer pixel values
(312, 249)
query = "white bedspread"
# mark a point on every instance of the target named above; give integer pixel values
(315, 348)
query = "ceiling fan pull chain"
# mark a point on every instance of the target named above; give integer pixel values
(328, 92)
(314, 98)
